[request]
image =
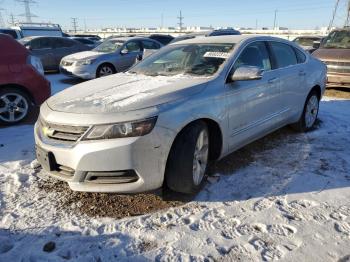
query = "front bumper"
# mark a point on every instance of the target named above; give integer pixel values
(85, 72)
(338, 80)
(144, 157)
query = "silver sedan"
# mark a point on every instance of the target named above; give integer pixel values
(112, 56)
(189, 104)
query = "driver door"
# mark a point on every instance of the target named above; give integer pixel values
(130, 51)
(253, 104)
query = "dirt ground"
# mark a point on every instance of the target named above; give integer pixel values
(119, 206)
(339, 92)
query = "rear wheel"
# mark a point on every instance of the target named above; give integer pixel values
(310, 113)
(188, 159)
(15, 106)
(105, 70)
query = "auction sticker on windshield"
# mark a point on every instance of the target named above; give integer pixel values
(223, 55)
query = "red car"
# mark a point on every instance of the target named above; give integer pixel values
(23, 85)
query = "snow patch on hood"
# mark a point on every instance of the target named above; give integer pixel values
(121, 92)
(83, 55)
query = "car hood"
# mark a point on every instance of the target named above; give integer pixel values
(125, 92)
(333, 54)
(83, 55)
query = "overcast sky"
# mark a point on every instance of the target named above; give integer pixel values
(294, 14)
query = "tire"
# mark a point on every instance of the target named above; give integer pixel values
(188, 160)
(105, 70)
(310, 113)
(15, 106)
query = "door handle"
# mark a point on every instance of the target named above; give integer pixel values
(302, 73)
(272, 80)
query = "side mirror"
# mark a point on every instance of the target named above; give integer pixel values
(246, 73)
(124, 51)
(316, 44)
(29, 47)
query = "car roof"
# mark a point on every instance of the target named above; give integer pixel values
(131, 38)
(225, 39)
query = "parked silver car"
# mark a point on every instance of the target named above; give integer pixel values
(112, 56)
(163, 121)
(51, 49)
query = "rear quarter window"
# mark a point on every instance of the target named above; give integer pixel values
(301, 57)
(284, 54)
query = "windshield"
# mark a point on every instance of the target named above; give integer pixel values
(192, 59)
(306, 41)
(337, 39)
(109, 46)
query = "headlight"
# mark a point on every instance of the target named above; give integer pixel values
(85, 62)
(121, 130)
(36, 63)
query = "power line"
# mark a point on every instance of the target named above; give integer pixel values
(27, 14)
(333, 15)
(75, 23)
(348, 15)
(181, 18)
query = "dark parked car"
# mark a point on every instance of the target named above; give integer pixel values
(163, 39)
(50, 49)
(22, 82)
(86, 41)
(206, 33)
(91, 37)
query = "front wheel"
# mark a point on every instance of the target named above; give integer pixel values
(15, 106)
(188, 159)
(310, 113)
(105, 70)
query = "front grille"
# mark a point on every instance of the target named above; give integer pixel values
(67, 63)
(63, 133)
(338, 67)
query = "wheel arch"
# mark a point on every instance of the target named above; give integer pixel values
(21, 88)
(215, 137)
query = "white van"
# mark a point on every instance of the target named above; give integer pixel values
(38, 29)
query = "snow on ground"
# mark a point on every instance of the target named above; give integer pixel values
(285, 197)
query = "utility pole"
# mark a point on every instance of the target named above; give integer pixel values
(28, 15)
(162, 21)
(347, 21)
(181, 18)
(12, 19)
(2, 22)
(275, 20)
(256, 24)
(74, 24)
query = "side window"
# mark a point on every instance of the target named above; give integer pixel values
(301, 57)
(133, 46)
(255, 54)
(62, 43)
(34, 44)
(150, 45)
(284, 54)
(41, 43)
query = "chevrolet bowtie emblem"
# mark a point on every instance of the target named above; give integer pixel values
(48, 131)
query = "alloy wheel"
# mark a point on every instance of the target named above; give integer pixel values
(200, 158)
(105, 71)
(311, 111)
(13, 107)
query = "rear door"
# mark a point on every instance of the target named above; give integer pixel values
(292, 74)
(253, 106)
(43, 48)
